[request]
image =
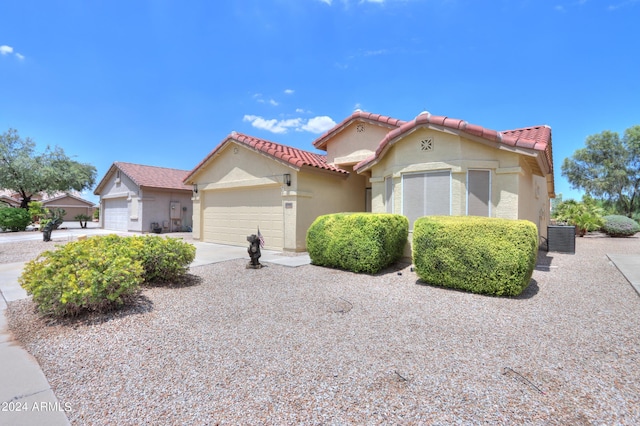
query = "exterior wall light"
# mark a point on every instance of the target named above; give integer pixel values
(287, 179)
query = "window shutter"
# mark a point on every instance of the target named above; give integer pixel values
(438, 194)
(478, 192)
(426, 194)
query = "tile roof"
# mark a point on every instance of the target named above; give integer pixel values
(149, 176)
(60, 196)
(533, 138)
(292, 156)
(391, 123)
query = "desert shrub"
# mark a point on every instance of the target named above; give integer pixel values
(620, 226)
(586, 216)
(164, 259)
(358, 242)
(103, 272)
(14, 219)
(82, 218)
(89, 275)
(481, 255)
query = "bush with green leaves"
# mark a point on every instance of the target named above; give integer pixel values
(14, 219)
(102, 272)
(358, 242)
(620, 226)
(477, 254)
(164, 259)
(586, 216)
(89, 275)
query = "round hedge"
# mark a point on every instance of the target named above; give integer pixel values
(620, 226)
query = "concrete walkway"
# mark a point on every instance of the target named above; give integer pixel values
(26, 398)
(629, 266)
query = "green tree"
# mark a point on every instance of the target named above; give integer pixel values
(26, 172)
(608, 167)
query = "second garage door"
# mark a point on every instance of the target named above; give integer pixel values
(230, 215)
(115, 214)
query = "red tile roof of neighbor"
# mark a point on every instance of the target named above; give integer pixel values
(149, 176)
(536, 138)
(357, 115)
(292, 156)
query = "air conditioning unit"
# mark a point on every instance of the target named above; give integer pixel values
(561, 238)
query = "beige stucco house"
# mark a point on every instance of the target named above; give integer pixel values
(140, 198)
(247, 183)
(72, 204)
(431, 165)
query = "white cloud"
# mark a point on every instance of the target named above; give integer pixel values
(258, 97)
(273, 125)
(319, 124)
(8, 50)
(326, 1)
(289, 91)
(316, 125)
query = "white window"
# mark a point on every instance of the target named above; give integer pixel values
(388, 194)
(479, 193)
(426, 194)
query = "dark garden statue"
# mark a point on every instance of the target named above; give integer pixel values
(254, 252)
(49, 227)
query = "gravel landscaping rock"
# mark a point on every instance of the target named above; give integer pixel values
(313, 345)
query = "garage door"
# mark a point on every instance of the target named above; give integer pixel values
(115, 214)
(230, 215)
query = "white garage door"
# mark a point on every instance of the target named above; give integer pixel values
(115, 214)
(229, 216)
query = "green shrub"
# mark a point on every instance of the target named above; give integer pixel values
(164, 259)
(89, 275)
(358, 242)
(102, 272)
(586, 216)
(620, 226)
(480, 255)
(14, 219)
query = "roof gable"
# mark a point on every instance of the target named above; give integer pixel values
(536, 139)
(58, 197)
(290, 156)
(377, 119)
(148, 176)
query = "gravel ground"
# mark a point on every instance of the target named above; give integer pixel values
(319, 346)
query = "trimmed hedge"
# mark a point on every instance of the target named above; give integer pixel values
(14, 219)
(620, 226)
(102, 273)
(477, 254)
(358, 242)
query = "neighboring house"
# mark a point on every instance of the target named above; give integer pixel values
(139, 198)
(431, 165)
(6, 200)
(71, 203)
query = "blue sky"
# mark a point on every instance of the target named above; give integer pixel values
(162, 82)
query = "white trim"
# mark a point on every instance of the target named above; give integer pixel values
(389, 198)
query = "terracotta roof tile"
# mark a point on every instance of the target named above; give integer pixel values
(292, 156)
(536, 138)
(358, 115)
(154, 177)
